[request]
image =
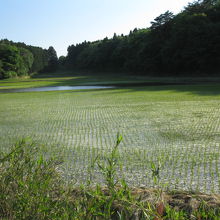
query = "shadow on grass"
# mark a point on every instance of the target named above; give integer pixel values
(207, 86)
(201, 89)
(124, 83)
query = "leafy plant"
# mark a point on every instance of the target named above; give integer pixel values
(29, 183)
(155, 169)
(110, 169)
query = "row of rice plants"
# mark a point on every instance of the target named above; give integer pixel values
(179, 137)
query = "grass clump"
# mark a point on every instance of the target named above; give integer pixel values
(29, 184)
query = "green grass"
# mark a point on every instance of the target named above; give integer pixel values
(176, 126)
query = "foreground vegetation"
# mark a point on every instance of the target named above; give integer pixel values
(31, 188)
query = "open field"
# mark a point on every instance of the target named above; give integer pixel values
(176, 126)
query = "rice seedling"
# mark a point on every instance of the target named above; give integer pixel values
(176, 125)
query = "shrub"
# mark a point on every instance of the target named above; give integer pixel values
(10, 74)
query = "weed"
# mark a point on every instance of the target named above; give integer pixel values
(29, 184)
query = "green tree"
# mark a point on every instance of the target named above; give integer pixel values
(52, 60)
(62, 61)
(162, 20)
(10, 60)
(26, 61)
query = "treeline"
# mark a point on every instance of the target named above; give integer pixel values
(184, 44)
(19, 59)
(177, 45)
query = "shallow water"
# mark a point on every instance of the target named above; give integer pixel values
(54, 88)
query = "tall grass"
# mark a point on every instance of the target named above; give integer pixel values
(30, 187)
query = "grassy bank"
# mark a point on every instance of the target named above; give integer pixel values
(31, 187)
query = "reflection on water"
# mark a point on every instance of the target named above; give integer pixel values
(54, 88)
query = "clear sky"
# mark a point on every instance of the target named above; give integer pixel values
(60, 23)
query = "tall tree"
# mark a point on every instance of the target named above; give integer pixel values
(52, 60)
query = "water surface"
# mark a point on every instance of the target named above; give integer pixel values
(54, 88)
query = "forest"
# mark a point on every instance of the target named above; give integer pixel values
(185, 44)
(19, 59)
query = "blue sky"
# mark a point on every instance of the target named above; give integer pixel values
(60, 23)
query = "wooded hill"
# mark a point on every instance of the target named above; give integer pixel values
(184, 44)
